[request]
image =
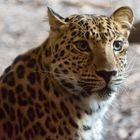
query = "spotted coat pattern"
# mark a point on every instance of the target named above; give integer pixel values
(62, 89)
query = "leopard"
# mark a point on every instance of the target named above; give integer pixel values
(62, 89)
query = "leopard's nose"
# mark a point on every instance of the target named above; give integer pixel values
(106, 75)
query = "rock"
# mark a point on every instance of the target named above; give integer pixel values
(136, 134)
(117, 118)
(135, 34)
(122, 133)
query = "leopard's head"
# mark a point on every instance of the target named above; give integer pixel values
(88, 52)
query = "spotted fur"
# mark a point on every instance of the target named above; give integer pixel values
(62, 89)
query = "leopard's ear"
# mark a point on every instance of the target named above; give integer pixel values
(124, 16)
(55, 20)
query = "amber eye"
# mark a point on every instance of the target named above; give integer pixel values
(117, 45)
(82, 45)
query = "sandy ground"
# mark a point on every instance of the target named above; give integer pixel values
(23, 26)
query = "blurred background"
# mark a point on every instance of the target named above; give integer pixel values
(23, 25)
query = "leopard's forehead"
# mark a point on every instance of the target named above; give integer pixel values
(91, 20)
(100, 28)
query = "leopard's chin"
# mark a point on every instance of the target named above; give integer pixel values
(106, 92)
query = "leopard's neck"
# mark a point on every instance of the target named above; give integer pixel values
(84, 116)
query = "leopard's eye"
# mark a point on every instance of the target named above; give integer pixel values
(82, 45)
(117, 45)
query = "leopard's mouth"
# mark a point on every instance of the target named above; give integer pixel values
(107, 91)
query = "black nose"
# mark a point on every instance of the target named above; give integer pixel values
(106, 75)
